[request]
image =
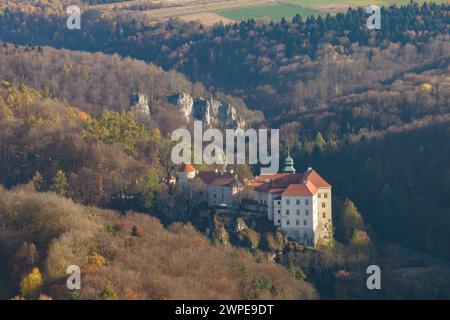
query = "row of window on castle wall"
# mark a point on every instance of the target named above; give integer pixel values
(297, 222)
(298, 202)
(298, 212)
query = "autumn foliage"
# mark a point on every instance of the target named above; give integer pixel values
(160, 263)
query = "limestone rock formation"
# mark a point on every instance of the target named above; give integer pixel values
(213, 112)
(184, 102)
(139, 105)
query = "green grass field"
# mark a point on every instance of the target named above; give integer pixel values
(273, 12)
(289, 8)
(352, 3)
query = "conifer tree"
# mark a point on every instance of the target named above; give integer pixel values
(59, 184)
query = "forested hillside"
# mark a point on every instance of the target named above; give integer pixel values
(98, 82)
(41, 137)
(132, 257)
(278, 66)
(367, 109)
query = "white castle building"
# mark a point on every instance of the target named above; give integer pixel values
(299, 204)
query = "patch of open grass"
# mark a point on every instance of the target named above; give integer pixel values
(272, 12)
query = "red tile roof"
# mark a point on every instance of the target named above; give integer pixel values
(300, 190)
(264, 183)
(216, 178)
(187, 168)
(290, 184)
(316, 179)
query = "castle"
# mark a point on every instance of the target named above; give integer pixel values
(298, 204)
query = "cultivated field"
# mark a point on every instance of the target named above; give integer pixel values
(212, 11)
(269, 11)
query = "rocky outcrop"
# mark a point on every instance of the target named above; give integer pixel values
(273, 241)
(213, 112)
(247, 238)
(184, 102)
(220, 234)
(139, 105)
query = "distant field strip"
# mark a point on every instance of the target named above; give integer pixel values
(269, 11)
(196, 7)
(212, 11)
(352, 3)
(289, 8)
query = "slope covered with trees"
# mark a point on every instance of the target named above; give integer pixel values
(123, 257)
(101, 159)
(97, 82)
(367, 109)
(275, 67)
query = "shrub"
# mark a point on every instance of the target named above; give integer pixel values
(31, 285)
(109, 294)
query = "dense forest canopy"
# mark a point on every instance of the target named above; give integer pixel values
(270, 61)
(368, 109)
(95, 82)
(125, 258)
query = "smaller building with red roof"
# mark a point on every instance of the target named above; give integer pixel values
(220, 187)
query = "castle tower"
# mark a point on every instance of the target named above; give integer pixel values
(288, 164)
(185, 173)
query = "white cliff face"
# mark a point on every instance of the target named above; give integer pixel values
(229, 116)
(184, 102)
(209, 110)
(139, 105)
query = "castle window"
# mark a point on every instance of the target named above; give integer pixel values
(279, 221)
(319, 195)
(298, 212)
(288, 202)
(298, 202)
(307, 212)
(323, 205)
(325, 195)
(278, 211)
(297, 222)
(307, 202)
(305, 222)
(288, 222)
(287, 212)
(324, 214)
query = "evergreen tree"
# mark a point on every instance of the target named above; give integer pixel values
(59, 184)
(38, 182)
(320, 141)
(351, 220)
(151, 186)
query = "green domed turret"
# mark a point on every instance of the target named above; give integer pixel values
(289, 164)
